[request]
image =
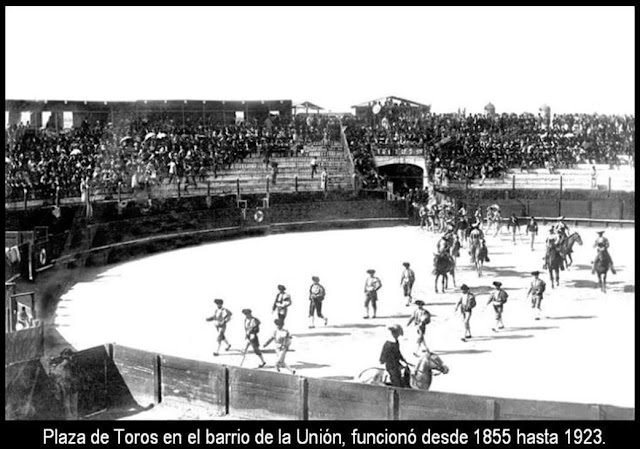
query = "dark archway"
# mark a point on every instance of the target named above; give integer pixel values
(403, 177)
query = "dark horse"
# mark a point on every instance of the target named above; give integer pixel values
(419, 378)
(479, 254)
(566, 247)
(602, 265)
(443, 265)
(554, 261)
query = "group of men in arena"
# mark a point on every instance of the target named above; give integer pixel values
(281, 336)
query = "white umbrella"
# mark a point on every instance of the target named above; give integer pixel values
(7, 160)
(160, 135)
(149, 136)
(494, 206)
(124, 139)
(76, 151)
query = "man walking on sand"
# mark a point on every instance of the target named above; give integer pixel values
(406, 281)
(498, 297)
(220, 317)
(421, 317)
(316, 296)
(371, 287)
(251, 329)
(466, 304)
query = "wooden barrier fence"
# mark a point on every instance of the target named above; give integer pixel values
(219, 390)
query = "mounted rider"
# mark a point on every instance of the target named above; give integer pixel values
(476, 238)
(562, 230)
(445, 243)
(552, 245)
(602, 246)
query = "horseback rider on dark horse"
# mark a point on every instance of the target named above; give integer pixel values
(463, 223)
(476, 238)
(562, 231)
(444, 263)
(602, 246)
(552, 245)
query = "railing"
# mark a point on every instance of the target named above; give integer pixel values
(347, 151)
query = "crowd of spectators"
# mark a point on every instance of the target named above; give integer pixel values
(137, 153)
(146, 151)
(472, 146)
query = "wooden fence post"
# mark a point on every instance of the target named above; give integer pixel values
(295, 180)
(238, 188)
(513, 182)
(597, 412)
(157, 379)
(26, 193)
(303, 398)
(394, 405)
(560, 186)
(119, 191)
(493, 410)
(225, 389)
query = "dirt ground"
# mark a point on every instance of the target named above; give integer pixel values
(582, 350)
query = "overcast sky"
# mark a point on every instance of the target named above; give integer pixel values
(575, 59)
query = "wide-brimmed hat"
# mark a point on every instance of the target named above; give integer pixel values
(281, 287)
(599, 232)
(535, 273)
(418, 302)
(464, 288)
(406, 264)
(371, 271)
(246, 311)
(218, 301)
(497, 283)
(315, 278)
(396, 328)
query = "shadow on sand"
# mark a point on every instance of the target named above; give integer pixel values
(337, 377)
(462, 351)
(327, 334)
(307, 365)
(500, 337)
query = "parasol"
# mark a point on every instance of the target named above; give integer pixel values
(74, 152)
(494, 206)
(124, 139)
(161, 136)
(149, 136)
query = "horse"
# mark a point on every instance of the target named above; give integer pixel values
(443, 265)
(419, 378)
(566, 247)
(479, 253)
(463, 226)
(554, 262)
(602, 265)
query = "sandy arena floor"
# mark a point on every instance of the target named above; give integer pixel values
(582, 350)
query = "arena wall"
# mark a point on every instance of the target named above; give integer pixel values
(194, 385)
(116, 380)
(330, 399)
(23, 345)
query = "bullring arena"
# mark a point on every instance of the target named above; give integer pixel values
(107, 293)
(159, 304)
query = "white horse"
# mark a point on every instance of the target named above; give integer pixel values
(420, 377)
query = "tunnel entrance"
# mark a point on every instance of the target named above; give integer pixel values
(403, 177)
